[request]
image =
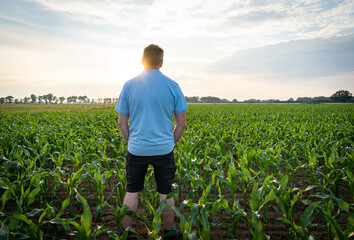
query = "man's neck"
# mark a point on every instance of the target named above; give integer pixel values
(156, 68)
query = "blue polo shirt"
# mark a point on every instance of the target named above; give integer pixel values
(150, 100)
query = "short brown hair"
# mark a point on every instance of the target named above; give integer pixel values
(153, 55)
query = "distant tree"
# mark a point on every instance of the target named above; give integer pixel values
(290, 100)
(49, 97)
(26, 100)
(71, 99)
(2, 100)
(224, 100)
(271, 101)
(17, 101)
(304, 99)
(234, 100)
(341, 96)
(192, 99)
(55, 100)
(33, 98)
(252, 101)
(107, 100)
(321, 99)
(83, 99)
(45, 98)
(210, 99)
(61, 99)
(9, 99)
(40, 98)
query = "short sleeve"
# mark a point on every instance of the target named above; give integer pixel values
(181, 103)
(122, 104)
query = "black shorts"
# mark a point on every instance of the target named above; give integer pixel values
(164, 171)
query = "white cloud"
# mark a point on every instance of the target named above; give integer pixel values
(209, 17)
(97, 12)
(292, 60)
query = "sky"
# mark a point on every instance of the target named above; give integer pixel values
(239, 49)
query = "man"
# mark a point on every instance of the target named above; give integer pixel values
(146, 107)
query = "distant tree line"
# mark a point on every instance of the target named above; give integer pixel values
(51, 99)
(339, 96)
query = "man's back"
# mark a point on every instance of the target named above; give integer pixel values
(151, 99)
(146, 106)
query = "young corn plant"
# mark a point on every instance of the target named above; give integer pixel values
(99, 182)
(205, 208)
(154, 227)
(71, 185)
(33, 229)
(84, 231)
(350, 179)
(9, 190)
(120, 187)
(244, 179)
(150, 197)
(258, 201)
(283, 197)
(24, 198)
(186, 223)
(330, 211)
(119, 213)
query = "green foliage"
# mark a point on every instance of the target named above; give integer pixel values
(341, 96)
(235, 164)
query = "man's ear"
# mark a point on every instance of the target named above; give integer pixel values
(161, 63)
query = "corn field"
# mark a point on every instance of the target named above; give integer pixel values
(243, 172)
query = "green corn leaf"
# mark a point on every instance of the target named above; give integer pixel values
(34, 212)
(342, 204)
(204, 218)
(4, 232)
(283, 183)
(31, 196)
(64, 205)
(86, 217)
(181, 217)
(335, 228)
(307, 216)
(220, 204)
(57, 221)
(5, 198)
(350, 226)
(3, 185)
(22, 218)
(270, 196)
(313, 161)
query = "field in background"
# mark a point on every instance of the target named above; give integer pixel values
(13, 108)
(243, 171)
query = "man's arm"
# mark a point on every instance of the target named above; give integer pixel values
(124, 125)
(180, 125)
